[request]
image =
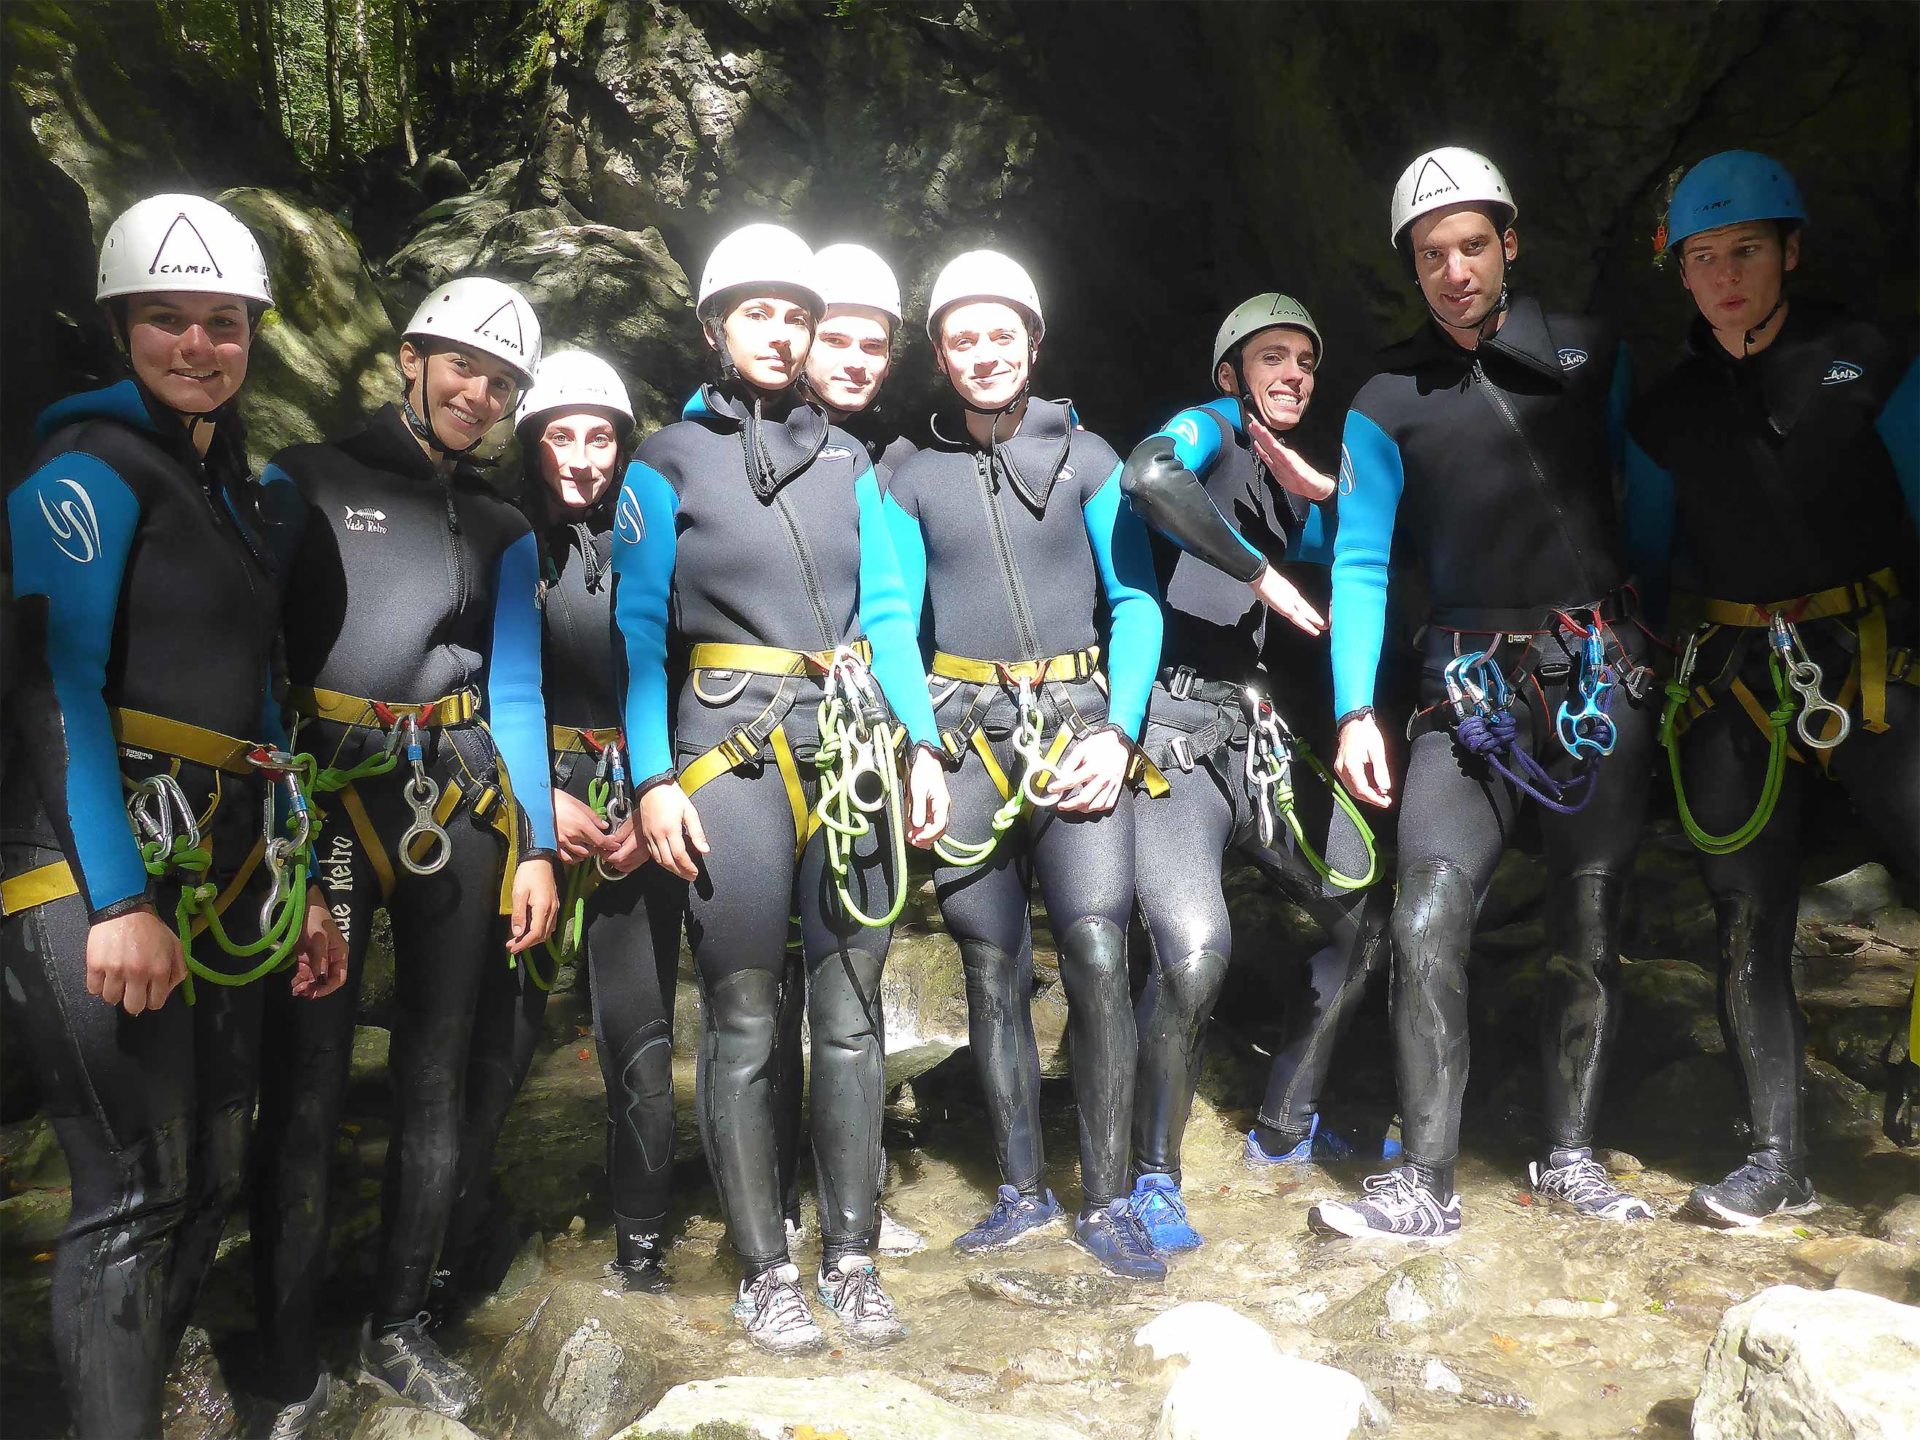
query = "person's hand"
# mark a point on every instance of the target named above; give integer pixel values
(536, 904)
(1278, 594)
(672, 829)
(581, 833)
(134, 961)
(928, 803)
(320, 964)
(1361, 762)
(1289, 470)
(626, 848)
(1091, 773)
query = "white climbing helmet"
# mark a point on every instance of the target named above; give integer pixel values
(984, 275)
(759, 254)
(854, 275)
(574, 380)
(1263, 312)
(181, 243)
(1450, 175)
(482, 314)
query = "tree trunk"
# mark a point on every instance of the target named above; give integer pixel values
(256, 32)
(403, 75)
(362, 59)
(336, 91)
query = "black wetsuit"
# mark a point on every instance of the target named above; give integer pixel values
(403, 587)
(630, 936)
(1499, 462)
(753, 525)
(1198, 482)
(1014, 549)
(142, 584)
(1793, 472)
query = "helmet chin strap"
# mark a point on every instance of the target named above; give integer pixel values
(1746, 342)
(1480, 326)
(423, 426)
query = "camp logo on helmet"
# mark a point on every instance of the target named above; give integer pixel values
(628, 525)
(1571, 359)
(516, 341)
(74, 525)
(184, 258)
(1432, 180)
(366, 521)
(835, 452)
(1841, 372)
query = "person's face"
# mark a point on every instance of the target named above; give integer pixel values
(464, 394)
(1460, 261)
(767, 338)
(189, 350)
(1278, 364)
(578, 454)
(1736, 273)
(851, 356)
(985, 352)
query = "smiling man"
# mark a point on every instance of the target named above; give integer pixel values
(852, 351)
(1489, 439)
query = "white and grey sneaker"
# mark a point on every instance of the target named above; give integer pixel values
(774, 1312)
(897, 1239)
(1575, 1179)
(404, 1361)
(290, 1422)
(852, 1288)
(1394, 1206)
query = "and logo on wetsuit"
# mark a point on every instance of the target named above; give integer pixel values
(835, 452)
(73, 523)
(1571, 359)
(1841, 372)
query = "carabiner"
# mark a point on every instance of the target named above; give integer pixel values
(164, 791)
(1804, 675)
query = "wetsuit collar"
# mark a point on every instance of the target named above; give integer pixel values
(1032, 458)
(124, 401)
(1787, 374)
(777, 440)
(388, 444)
(1524, 338)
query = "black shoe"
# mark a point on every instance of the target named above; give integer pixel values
(642, 1272)
(1756, 1190)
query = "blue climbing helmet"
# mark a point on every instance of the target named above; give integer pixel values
(1731, 188)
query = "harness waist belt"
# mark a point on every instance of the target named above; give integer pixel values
(1845, 599)
(769, 659)
(456, 709)
(1182, 684)
(192, 743)
(1525, 619)
(1077, 665)
(571, 740)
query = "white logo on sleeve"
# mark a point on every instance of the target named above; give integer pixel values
(72, 521)
(1571, 359)
(1187, 429)
(367, 521)
(835, 452)
(1841, 372)
(1346, 471)
(628, 525)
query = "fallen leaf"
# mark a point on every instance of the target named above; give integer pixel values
(583, 1054)
(1505, 1342)
(43, 1257)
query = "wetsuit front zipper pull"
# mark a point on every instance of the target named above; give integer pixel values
(453, 516)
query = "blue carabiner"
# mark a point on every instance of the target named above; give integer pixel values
(1589, 730)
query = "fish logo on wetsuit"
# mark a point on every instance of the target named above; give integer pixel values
(74, 525)
(365, 521)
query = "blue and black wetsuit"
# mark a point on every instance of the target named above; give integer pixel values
(630, 936)
(408, 594)
(144, 606)
(1014, 550)
(1496, 466)
(760, 526)
(1198, 483)
(1786, 482)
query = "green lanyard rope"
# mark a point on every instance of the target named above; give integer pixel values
(858, 743)
(1270, 751)
(1038, 763)
(563, 945)
(1678, 690)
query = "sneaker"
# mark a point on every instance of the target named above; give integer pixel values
(853, 1291)
(897, 1239)
(404, 1361)
(1319, 1144)
(794, 1232)
(775, 1313)
(1157, 1204)
(1014, 1217)
(290, 1422)
(1582, 1184)
(1119, 1242)
(1393, 1206)
(1750, 1194)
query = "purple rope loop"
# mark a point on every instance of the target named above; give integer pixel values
(1492, 736)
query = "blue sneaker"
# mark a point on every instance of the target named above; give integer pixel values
(1319, 1145)
(1014, 1217)
(1157, 1204)
(1119, 1242)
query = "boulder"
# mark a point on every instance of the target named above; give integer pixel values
(862, 1405)
(1900, 1223)
(1856, 1262)
(1840, 1365)
(1425, 1289)
(397, 1420)
(195, 1403)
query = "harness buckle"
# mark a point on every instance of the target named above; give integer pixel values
(1181, 749)
(1180, 687)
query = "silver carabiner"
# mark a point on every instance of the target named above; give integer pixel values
(163, 791)
(1804, 675)
(422, 793)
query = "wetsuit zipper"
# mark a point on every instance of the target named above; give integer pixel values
(1016, 593)
(808, 575)
(456, 559)
(1505, 412)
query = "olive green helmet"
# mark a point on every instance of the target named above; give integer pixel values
(1263, 312)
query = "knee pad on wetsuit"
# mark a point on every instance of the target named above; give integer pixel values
(1096, 949)
(741, 1010)
(1190, 985)
(1432, 923)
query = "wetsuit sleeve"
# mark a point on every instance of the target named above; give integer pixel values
(73, 523)
(1899, 427)
(1372, 475)
(1619, 402)
(1125, 561)
(1161, 480)
(643, 555)
(1647, 520)
(885, 618)
(516, 708)
(910, 552)
(1315, 545)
